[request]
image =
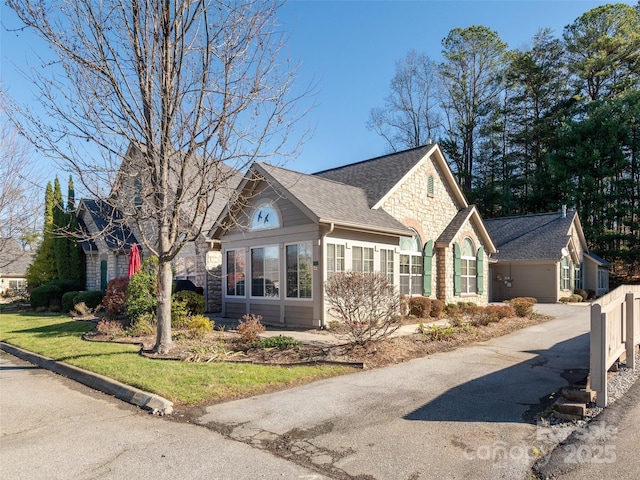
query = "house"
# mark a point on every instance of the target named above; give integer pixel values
(106, 243)
(111, 225)
(14, 262)
(544, 256)
(401, 214)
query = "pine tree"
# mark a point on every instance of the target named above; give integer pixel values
(43, 267)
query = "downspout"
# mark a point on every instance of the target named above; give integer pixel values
(323, 320)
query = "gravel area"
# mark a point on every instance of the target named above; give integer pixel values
(558, 430)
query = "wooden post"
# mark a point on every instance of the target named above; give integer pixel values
(630, 330)
(598, 355)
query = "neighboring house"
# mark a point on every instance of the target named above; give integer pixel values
(111, 230)
(401, 214)
(543, 256)
(107, 243)
(14, 262)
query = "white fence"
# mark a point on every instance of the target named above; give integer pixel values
(615, 330)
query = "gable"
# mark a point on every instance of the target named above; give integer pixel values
(538, 237)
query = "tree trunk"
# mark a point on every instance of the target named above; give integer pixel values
(163, 338)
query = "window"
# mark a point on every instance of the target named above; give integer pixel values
(299, 267)
(265, 216)
(565, 274)
(577, 276)
(265, 272)
(335, 259)
(185, 262)
(236, 273)
(411, 265)
(362, 259)
(468, 266)
(387, 264)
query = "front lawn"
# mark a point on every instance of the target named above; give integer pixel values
(60, 338)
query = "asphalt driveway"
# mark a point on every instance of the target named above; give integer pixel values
(460, 414)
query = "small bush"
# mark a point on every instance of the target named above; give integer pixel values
(437, 333)
(112, 328)
(583, 293)
(523, 306)
(574, 298)
(142, 327)
(437, 307)
(250, 327)
(198, 326)
(420, 307)
(280, 342)
(46, 296)
(115, 298)
(495, 313)
(591, 294)
(191, 303)
(142, 299)
(68, 301)
(67, 285)
(91, 298)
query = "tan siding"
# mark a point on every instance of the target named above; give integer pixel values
(270, 312)
(235, 310)
(538, 281)
(298, 315)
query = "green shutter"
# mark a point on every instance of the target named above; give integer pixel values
(480, 271)
(103, 275)
(457, 269)
(427, 267)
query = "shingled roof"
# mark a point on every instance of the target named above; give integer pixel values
(377, 176)
(332, 202)
(531, 237)
(13, 259)
(109, 222)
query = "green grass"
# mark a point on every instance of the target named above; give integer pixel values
(60, 338)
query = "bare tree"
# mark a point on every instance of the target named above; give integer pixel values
(165, 101)
(19, 207)
(410, 116)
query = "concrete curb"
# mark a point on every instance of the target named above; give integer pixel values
(145, 400)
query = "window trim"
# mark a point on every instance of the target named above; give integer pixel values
(279, 287)
(226, 270)
(335, 258)
(286, 266)
(265, 204)
(371, 261)
(467, 260)
(417, 278)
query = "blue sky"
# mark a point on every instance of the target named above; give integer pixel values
(350, 48)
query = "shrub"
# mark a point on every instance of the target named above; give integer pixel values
(523, 306)
(68, 301)
(91, 298)
(250, 327)
(115, 298)
(142, 300)
(437, 307)
(67, 285)
(142, 327)
(495, 313)
(420, 307)
(280, 342)
(198, 326)
(582, 293)
(590, 294)
(45, 296)
(112, 328)
(574, 298)
(367, 305)
(193, 302)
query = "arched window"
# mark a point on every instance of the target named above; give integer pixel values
(411, 265)
(265, 216)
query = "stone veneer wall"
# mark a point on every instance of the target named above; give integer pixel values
(214, 281)
(412, 202)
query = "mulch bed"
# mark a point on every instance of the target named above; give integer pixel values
(225, 346)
